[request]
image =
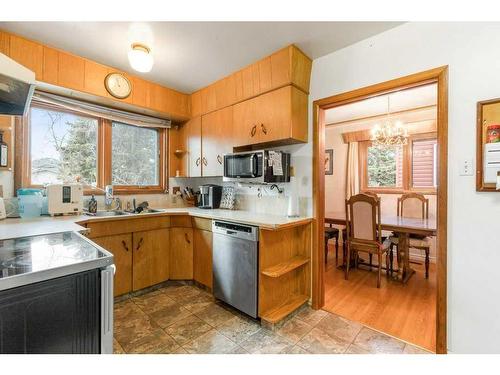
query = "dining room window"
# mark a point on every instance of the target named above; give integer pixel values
(398, 169)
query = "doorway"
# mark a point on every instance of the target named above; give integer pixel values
(437, 77)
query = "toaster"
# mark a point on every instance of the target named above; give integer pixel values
(63, 199)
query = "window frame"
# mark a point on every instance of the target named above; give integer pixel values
(104, 156)
(407, 168)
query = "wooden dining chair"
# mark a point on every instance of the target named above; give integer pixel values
(414, 205)
(330, 233)
(364, 232)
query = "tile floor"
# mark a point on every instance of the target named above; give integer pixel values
(181, 318)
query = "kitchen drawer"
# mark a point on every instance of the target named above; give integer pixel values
(181, 221)
(202, 223)
(128, 225)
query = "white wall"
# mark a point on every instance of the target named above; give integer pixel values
(472, 53)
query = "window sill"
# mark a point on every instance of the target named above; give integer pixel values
(399, 191)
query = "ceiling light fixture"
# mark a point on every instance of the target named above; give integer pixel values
(389, 133)
(140, 58)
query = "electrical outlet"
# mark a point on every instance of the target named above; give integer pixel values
(466, 167)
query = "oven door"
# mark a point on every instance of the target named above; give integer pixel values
(245, 167)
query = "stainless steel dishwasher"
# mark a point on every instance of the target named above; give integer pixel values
(236, 265)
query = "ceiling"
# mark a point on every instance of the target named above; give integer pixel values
(404, 100)
(191, 55)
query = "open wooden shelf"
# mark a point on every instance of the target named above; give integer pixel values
(276, 314)
(284, 267)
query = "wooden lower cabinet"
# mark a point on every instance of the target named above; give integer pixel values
(121, 248)
(151, 258)
(181, 253)
(202, 262)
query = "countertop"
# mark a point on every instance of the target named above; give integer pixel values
(16, 228)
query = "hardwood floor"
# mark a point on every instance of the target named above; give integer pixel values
(406, 311)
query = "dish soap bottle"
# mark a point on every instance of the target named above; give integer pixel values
(92, 205)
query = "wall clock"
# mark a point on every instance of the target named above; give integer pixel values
(118, 85)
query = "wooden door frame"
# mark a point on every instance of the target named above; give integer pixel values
(438, 75)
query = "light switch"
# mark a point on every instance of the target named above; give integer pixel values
(466, 168)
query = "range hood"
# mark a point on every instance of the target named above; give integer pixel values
(17, 84)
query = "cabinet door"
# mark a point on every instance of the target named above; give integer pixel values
(27, 53)
(274, 115)
(217, 140)
(151, 253)
(181, 253)
(192, 133)
(71, 71)
(121, 248)
(244, 123)
(202, 257)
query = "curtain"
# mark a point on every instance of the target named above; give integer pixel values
(100, 111)
(352, 180)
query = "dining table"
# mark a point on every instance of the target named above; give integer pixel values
(403, 227)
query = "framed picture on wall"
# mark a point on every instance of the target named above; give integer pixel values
(329, 161)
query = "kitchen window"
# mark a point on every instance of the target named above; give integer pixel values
(398, 169)
(60, 145)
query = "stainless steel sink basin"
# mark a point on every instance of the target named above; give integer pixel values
(108, 213)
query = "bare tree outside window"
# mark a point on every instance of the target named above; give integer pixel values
(134, 155)
(63, 147)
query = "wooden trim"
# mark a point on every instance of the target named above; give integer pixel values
(480, 142)
(407, 183)
(439, 75)
(22, 174)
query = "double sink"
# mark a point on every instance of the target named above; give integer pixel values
(122, 213)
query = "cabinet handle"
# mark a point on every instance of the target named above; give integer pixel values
(254, 130)
(139, 244)
(197, 162)
(264, 130)
(124, 245)
(219, 159)
(204, 160)
(187, 238)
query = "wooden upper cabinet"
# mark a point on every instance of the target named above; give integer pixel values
(27, 53)
(71, 71)
(192, 135)
(216, 131)
(245, 123)
(288, 66)
(196, 109)
(278, 117)
(50, 65)
(250, 78)
(265, 76)
(4, 43)
(139, 91)
(95, 74)
(208, 99)
(280, 67)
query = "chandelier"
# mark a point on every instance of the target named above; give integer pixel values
(389, 133)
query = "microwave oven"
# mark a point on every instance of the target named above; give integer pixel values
(258, 167)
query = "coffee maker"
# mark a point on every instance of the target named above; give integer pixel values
(210, 196)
